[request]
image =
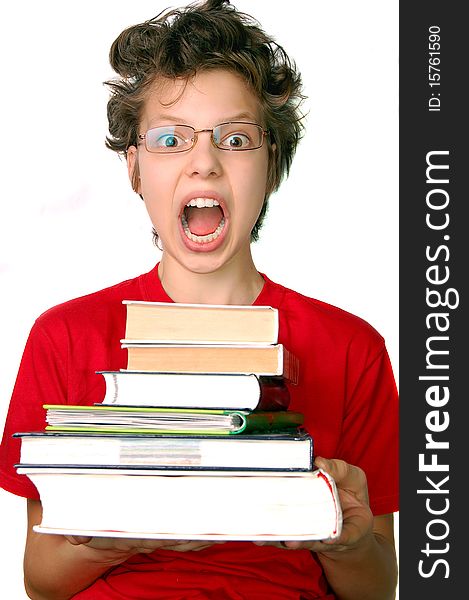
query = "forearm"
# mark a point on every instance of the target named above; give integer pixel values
(367, 572)
(55, 569)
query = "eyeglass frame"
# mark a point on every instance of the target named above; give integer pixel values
(265, 132)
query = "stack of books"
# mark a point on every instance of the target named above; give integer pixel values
(194, 440)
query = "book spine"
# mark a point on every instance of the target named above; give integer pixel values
(291, 365)
(277, 326)
(271, 421)
(112, 388)
(274, 394)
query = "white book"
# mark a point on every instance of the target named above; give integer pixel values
(270, 451)
(238, 505)
(191, 390)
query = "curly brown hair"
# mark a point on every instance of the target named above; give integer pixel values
(213, 35)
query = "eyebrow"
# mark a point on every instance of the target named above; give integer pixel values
(177, 120)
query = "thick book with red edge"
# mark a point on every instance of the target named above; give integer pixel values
(214, 505)
(195, 390)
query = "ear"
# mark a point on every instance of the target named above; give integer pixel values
(132, 169)
(271, 170)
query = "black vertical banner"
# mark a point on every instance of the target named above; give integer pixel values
(434, 266)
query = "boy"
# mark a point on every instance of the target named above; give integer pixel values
(206, 113)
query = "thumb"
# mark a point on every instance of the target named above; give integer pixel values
(337, 469)
(346, 476)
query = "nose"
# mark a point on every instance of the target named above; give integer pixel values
(204, 157)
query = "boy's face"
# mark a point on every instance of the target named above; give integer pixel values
(203, 239)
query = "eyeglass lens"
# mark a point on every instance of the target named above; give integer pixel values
(227, 136)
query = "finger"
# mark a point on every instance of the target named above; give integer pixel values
(338, 469)
(292, 545)
(346, 476)
(76, 540)
(191, 546)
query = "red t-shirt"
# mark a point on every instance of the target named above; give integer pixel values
(346, 391)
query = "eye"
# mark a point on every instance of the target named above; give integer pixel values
(237, 140)
(167, 140)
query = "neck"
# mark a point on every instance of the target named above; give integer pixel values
(237, 282)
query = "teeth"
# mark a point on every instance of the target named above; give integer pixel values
(203, 202)
(202, 239)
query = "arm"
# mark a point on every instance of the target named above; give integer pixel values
(57, 567)
(367, 571)
(361, 564)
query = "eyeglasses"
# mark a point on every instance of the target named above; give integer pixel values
(233, 136)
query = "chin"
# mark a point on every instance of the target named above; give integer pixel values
(203, 263)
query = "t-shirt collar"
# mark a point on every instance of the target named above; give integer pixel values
(153, 290)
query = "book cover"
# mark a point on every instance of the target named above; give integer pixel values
(192, 390)
(171, 322)
(131, 419)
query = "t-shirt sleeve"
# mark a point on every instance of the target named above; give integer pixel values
(41, 380)
(370, 433)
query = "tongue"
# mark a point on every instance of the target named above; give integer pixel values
(203, 221)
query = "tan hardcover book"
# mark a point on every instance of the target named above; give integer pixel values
(273, 359)
(168, 322)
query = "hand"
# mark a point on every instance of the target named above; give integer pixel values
(130, 546)
(357, 516)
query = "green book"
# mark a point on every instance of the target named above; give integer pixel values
(154, 420)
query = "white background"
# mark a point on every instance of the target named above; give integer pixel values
(70, 223)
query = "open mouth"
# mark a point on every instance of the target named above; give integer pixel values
(202, 220)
